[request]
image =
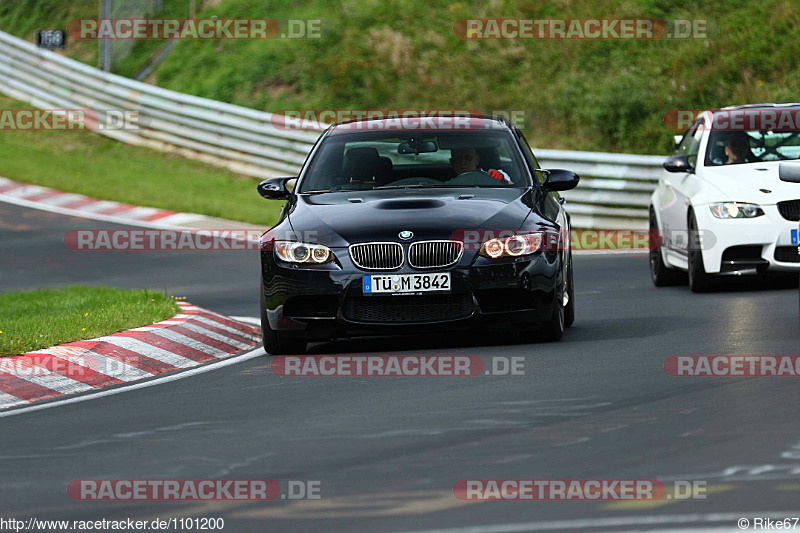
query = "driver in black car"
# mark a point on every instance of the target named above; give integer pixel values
(467, 160)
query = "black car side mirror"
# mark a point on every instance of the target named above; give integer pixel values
(275, 188)
(789, 172)
(559, 179)
(679, 163)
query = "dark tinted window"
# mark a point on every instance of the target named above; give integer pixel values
(366, 160)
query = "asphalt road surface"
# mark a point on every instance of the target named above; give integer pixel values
(387, 451)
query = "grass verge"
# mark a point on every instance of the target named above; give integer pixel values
(32, 320)
(581, 94)
(90, 164)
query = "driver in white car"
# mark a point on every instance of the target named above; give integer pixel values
(467, 160)
(737, 149)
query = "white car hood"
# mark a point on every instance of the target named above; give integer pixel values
(743, 183)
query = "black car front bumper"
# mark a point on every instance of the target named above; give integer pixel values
(325, 301)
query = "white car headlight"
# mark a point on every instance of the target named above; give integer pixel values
(513, 246)
(735, 210)
(300, 252)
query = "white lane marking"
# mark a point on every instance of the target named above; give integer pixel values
(107, 366)
(63, 198)
(138, 212)
(100, 205)
(75, 351)
(220, 325)
(160, 325)
(39, 375)
(211, 314)
(82, 213)
(191, 343)
(148, 350)
(27, 190)
(176, 318)
(198, 328)
(7, 400)
(252, 354)
(253, 321)
(178, 219)
(618, 521)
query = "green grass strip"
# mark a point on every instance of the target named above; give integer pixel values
(90, 164)
(32, 320)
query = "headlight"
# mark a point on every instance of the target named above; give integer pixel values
(300, 252)
(735, 210)
(513, 246)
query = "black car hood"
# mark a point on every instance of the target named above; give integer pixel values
(343, 218)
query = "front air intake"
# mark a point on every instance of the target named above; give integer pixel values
(377, 255)
(434, 254)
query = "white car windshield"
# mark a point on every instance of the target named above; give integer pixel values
(741, 147)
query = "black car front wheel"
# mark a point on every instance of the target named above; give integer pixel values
(569, 309)
(553, 329)
(275, 342)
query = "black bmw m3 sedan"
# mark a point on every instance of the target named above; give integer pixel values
(398, 226)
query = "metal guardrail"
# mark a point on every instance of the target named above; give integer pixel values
(614, 190)
(242, 139)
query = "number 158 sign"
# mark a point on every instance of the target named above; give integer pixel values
(51, 39)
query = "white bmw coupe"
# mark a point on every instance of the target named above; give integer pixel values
(728, 201)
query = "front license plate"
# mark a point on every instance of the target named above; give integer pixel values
(794, 236)
(406, 283)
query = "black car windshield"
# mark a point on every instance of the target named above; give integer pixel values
(383, 160)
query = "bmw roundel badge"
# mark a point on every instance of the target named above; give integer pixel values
(405, 234)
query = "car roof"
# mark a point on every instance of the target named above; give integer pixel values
(412, 122)
(757, 106)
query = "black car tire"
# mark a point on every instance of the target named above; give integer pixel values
(660, 273)
(276, 343)
(569, 310)
(699, 280)
(553, 329)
